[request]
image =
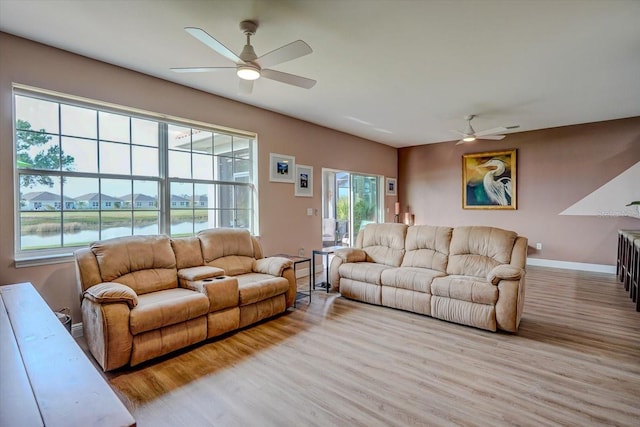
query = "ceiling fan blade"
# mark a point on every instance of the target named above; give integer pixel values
(200, 69)
(245, 87)
(214, 44)
(496, 130)
(462, 141)
(494, 137)
(285, 53)
(290, 79)
(491, 131)
(458, 132)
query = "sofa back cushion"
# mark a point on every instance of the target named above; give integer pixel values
(427, 246)
(228, 248)
(144, 263)
(383, 243)
(474, 251)
(187, 251)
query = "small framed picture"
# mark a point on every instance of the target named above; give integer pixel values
(391, 187)
(281, 168)
(304, 181)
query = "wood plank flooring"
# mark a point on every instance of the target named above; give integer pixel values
(574, 362)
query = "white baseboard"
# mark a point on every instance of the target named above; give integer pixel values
(567, 265)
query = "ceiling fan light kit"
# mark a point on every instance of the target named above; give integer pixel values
(248, 72)
(470, 135)
(249, 66)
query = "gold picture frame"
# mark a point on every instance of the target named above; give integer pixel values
(489, 180)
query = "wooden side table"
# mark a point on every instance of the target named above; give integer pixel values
(298, 260)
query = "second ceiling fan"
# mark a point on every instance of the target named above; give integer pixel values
(250, 67)
(470, 135)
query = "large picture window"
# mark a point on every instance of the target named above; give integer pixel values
(86, 172)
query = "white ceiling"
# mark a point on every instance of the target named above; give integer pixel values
(400, 72)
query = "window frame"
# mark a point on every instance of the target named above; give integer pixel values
(31, 257)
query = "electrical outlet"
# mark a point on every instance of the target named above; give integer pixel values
(539, 246)
(301, 252)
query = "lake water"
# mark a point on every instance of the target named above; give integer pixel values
(87, 236)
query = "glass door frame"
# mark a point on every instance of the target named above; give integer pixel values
(328, 204)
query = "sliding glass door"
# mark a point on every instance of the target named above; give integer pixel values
(365, 206)
(350, 202)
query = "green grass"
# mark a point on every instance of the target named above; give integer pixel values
(74, 221)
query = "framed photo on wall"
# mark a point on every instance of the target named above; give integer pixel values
(489, 180)
(391, 187)
(281, 168)
(304, 181)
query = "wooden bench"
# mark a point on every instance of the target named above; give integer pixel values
(46, 379)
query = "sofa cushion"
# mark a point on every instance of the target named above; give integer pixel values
(144, 263)
(367, 272)
(163, 308)
(230, 249)
(384, 243)
(254, 287)
(475, 251)
(427, 246)
(233, 265)
(411, 278)
(220, 242)
(187, 251)
(472, 289)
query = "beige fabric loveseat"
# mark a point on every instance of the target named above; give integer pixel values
(146, 296)
(469, 275)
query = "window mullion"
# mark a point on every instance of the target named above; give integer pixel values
(165, 188)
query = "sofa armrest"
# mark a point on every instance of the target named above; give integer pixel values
(272, 265)
(192, 274)
(222, 291)
(504, 272)
(351, 255)
(111, 292)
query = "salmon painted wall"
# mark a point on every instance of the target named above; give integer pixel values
(588, 172)
(284, 224)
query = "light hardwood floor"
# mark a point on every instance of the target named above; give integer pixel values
(575, 361)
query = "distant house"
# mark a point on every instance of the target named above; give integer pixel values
(179, 202)
(44, 200)
(140, 201)
(201, 201)
(98, 201)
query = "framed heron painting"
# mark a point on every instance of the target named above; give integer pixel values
(489, 180)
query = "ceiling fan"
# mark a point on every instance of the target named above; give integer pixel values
(249, 67)
(470, 135)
